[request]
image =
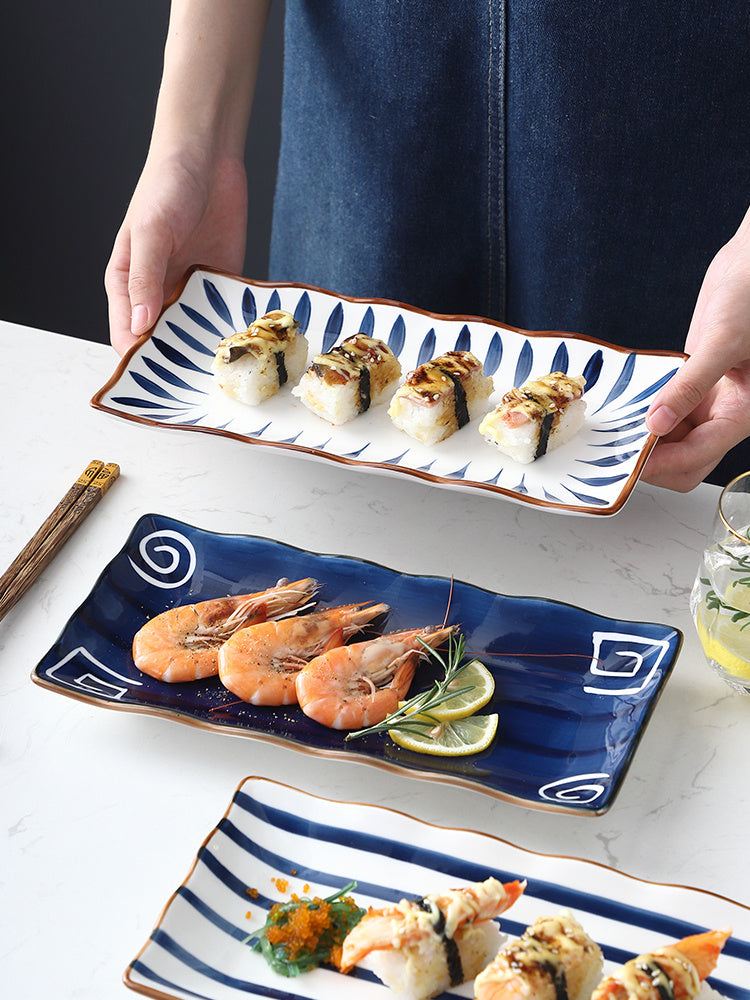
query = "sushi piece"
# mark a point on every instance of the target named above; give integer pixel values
(537, 417)
(675, 972)
(423, 947)
(553, 958)
(441, 396)
(349, 379)
(253, 364)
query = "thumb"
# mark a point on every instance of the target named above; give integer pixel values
(150, 250)
(684, 392)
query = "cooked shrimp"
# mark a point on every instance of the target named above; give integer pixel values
(260, 663)
(674, 971)
(553, 958)
(182, 644)
(360, 684)
(425, 946)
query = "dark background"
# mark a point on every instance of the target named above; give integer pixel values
(79, 84)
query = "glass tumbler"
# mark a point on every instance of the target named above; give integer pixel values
(720, 599)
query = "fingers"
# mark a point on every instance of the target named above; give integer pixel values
(684, 458)
(116, 279)
(685, 390)
(134, 280)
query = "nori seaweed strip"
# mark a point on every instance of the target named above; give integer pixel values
(281, 367)
(365, 397)
(452, 956)
(544, 432)
(459, 399)
(661, 981)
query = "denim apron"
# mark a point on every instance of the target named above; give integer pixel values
(550, 164)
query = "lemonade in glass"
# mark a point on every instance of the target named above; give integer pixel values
(720, 599)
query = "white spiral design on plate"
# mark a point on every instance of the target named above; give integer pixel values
(576, 788)
(182, 552)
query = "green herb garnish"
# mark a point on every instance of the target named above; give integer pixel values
(414, 715)
(304, 933)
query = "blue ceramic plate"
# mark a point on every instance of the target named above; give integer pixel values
(197, 948)
(574, 691)
(166, 381)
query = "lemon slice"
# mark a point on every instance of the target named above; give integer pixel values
(451, 739)
(724, 641)
(482, 683)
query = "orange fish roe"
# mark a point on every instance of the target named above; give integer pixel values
(281, 884)
(303, 927)
(252, 893)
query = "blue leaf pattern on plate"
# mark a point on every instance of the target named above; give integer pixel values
(249, 308)
(218, 304)
(494, 355)
(333, 328)
(148, 385)
(367, 326)
(397, 336)
(169, 376)
(176, 361)
(523, 366)
(189, 340)
(561, 360)
(175, 356)
(426, 349)
(593, 369)
(302, 313)
(652, 389)
(622, 381)
(200, 320)
(463, 341)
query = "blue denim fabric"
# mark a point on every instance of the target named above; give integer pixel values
(386, 184)
(550, 164)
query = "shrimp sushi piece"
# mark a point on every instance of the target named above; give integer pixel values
(360, 684)
(253, 364)
(554, 958)
(675, 972)
(537, 417)
(182, 644)
(349, 379)
(441, 396)
(260, 663)
(423, 947)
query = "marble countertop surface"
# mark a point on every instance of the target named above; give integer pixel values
(102, 811)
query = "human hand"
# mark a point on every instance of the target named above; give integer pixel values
(704, 410)
(187, 208)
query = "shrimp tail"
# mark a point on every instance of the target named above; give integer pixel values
(703, 950)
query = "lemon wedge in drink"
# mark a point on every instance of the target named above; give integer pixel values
(450, 739)
(724, 641)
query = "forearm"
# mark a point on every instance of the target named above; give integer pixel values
(211, 62)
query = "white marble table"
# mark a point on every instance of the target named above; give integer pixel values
(103, 811)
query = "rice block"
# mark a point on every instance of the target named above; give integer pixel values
(441, 396)
(349, 379)
(537, 417)
(253, 364)
(419, 970)
(554, 950)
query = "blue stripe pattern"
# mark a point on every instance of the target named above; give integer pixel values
(169, 962)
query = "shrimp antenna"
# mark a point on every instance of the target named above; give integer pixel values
(450, 601)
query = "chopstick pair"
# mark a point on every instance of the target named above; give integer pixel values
(36, 555)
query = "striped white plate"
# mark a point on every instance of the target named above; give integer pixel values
(166, 381)
(271, 831)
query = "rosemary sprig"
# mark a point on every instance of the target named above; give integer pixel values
(414, 716)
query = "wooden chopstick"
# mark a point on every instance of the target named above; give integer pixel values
(52, 534)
